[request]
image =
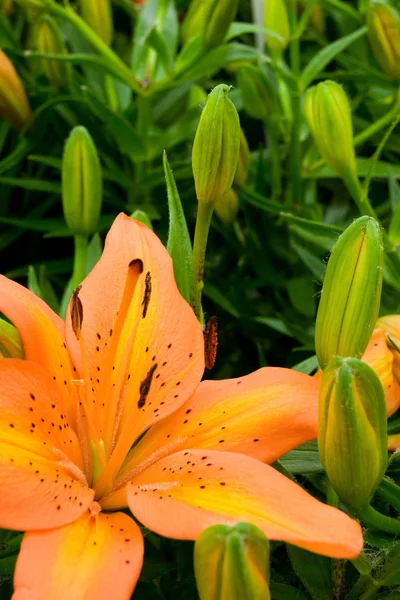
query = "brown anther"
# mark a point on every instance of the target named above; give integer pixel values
(76, 312)
(210, 342)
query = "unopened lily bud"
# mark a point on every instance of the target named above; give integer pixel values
(352, 429)
(328, 115)
(242, 169)
(232, 563)
(98, 14)
(48, 40)
(351, 292)
(383, 23)
(227, 207)
(217, 17)
(258, 92)
(14, 107)
(193, 21)
(216, 146)
(276, 20)
(81, 183)
(6, 6)
(10, 341)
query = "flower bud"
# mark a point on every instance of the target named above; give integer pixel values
(216, 146)
(10, 341)
(48, 40)
(216, 19)
(193, 21)
(276, 20)
(98, 15)
(257, 90)
(227, 207)
(232, 563)
(351, 292)
(383, 23)
(14, 106)
(242, 169)
(81, 183)
(352, 436)
(328, 115)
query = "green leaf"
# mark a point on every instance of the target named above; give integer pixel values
(322, 58)
(220, 299)
(388, 571)
(142, 217)
(276, 324)
(307, 366)
(314, 571)
(320, 234)
(303, 460)
(315, 264)
(95, 250)
(301, 292)
(32, 184)
(281, 591)
(382, 170)
(179, 245)
(394, 227)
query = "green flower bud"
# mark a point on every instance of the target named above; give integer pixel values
(142, 217)
(232, 563)
(14, 106)
(383, 23)
(217, 17)
(276, 20)
(48, 40)
(227, 207)
(81, 183)
(242, 169)
(216, 146)
(257, 90)
(351, 293)
(328, 115)
(98, 14)
(193, 21)
(10, 341)
(352, 429)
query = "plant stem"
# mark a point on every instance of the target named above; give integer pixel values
(376, 520)
(338, 565)
(80, 259)
(295, 161)
(275, 156)
(111, 93)
(204, 215)
(353, 185)
(94, 40)
(389, 491)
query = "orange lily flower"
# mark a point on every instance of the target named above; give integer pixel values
(128, 360)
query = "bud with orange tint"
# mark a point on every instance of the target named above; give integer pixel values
(14, 107)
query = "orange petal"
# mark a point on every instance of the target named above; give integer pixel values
(144, 347)
(182, 494)
(41, 331)
(246, 415)
(391, 325)
(394, 442)
(381, 359)
(96, 558)
(41, 481)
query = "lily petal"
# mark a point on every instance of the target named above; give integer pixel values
(381, 359)
(394, 442)
(41, 331)
(144, 347)
(182, 494)
(41, 481)
(95, 558)
(391, 325)
(246, 415)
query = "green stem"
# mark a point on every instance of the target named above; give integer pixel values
(376, 520)
(295, 161)
(111, 93)
(94, 40)
(80, 259)
(364, 589)
(338, 565)
(389, 491)
(275, 156)
(204, 215)
(353, 185)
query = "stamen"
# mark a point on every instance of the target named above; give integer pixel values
(210, 342)
(147, 294)
(76, 312)
(98, 462)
